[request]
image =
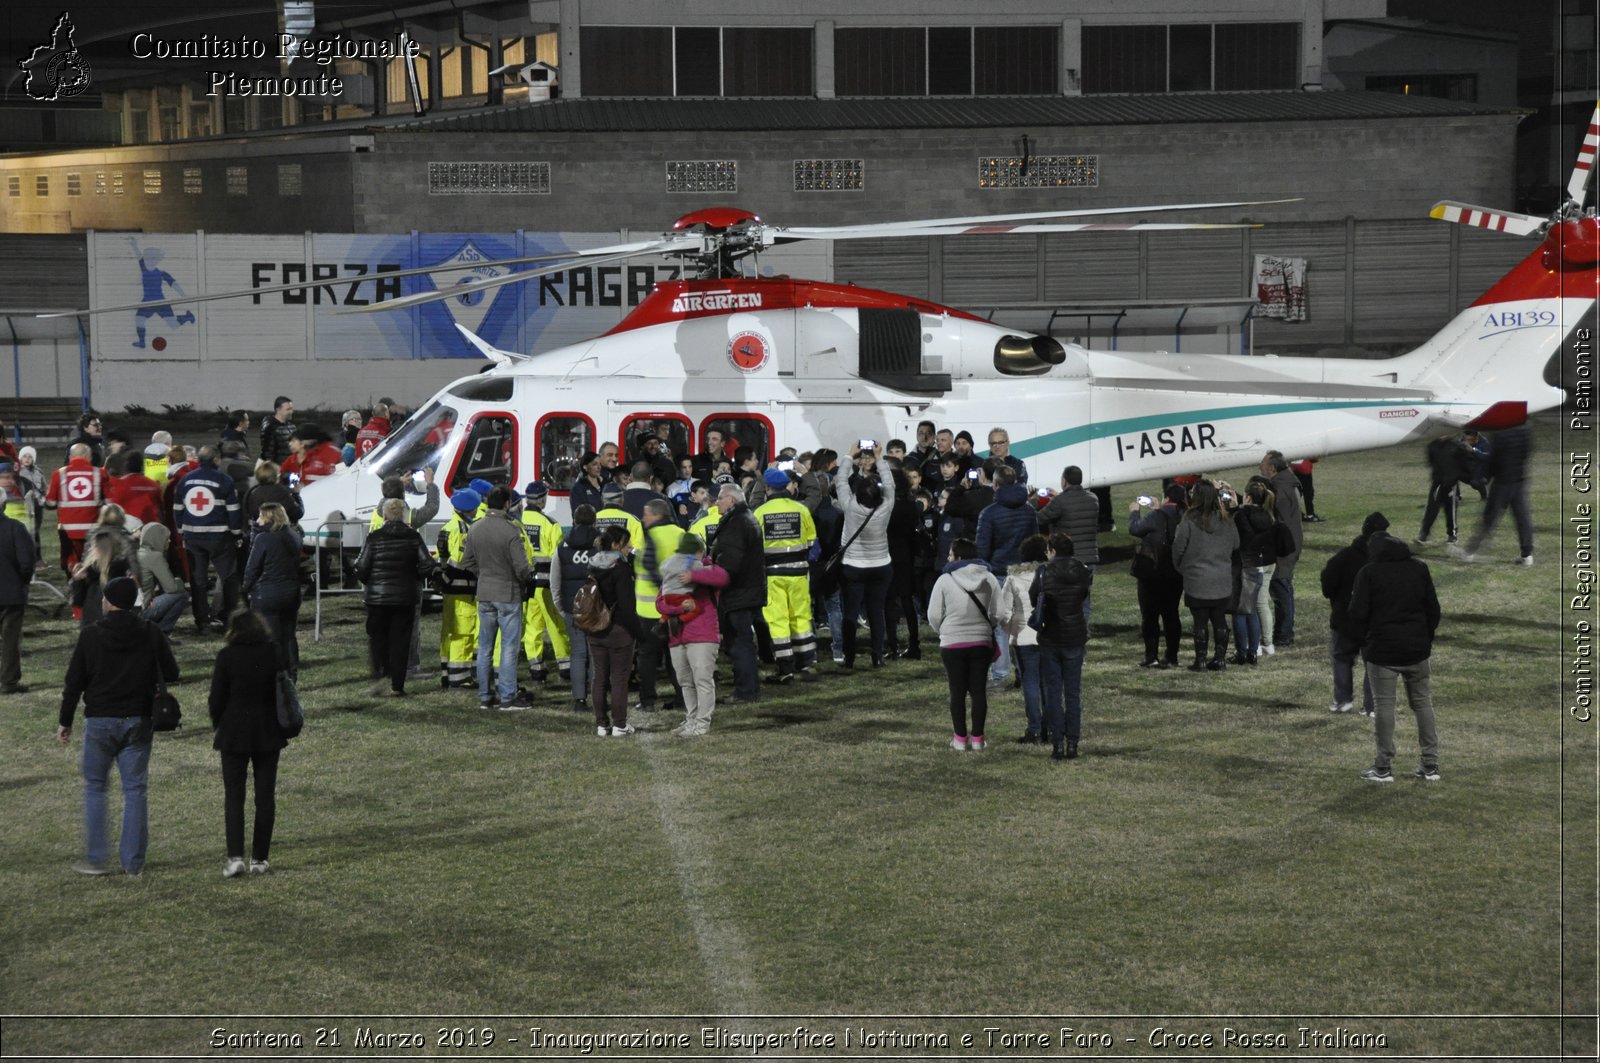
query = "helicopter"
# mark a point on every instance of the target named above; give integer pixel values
(779, 361)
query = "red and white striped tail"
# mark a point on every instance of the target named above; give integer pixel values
(1497, 220)
(1579, 181)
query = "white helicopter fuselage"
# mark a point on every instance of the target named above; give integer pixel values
(777, 363)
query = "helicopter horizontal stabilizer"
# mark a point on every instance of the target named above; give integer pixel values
(1502, 221)
(494, 354)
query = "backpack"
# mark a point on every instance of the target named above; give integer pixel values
(589, 609)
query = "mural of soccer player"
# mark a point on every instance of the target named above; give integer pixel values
(154, 278)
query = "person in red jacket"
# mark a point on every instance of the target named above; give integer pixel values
(1303, 471)
(375, 431)
(317, 455)
(138, 495)
(76, 491)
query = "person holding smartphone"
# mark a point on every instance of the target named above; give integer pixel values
(866, 498)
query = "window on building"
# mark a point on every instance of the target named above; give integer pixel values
(289, 179)
(1016, 60)
(235, 114)
(1189, 58)
(562, 439)
(171, 124)
(1259, 56)
(766, 62)
(74, 184)
(100, 182)
(41, 185)
(881, 61)
(627, 60)
(14, 186)
(1439, 86)
(490, 452)
(200, 120)
(193, 184)
(138, 127)
(269, 112)
(152, 182)
(238, 181)
(697, 61)
(949, 61)
(1124, 59)
(117, 187)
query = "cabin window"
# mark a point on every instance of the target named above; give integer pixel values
(673, 429)
(489, 453)
(417, 444)
(743, 429)
(562, 439)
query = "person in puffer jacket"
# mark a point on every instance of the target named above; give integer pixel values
(392, 566)
(1002, 525)
(1057, 594)
(965, 608)
(688, 605)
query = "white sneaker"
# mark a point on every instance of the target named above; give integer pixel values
(1341, 706)
(1526, 560)
(1267, 650)
(976, 743)
(622, 732)
(259, 867)
(959, 743)
(603, 732)
(233, 868)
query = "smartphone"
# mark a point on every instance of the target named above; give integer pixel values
(419, 483)
(294, 480)
(786, 466)
(867, 444)
(973, 474)
(1146, 500)
(1045, 492)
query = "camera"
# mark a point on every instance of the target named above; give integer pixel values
(786, 466)
(1045, 492)
(867, 444)
(1146, 500)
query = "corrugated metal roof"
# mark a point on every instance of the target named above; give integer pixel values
(617, 114)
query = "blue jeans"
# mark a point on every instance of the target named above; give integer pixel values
(165, 610)
(835, 611)
(578, 665)
(1088, 595)
(1061, 669)
(1028, 666)
(125, 740)
(1281, 590)
(1344, 651)
(506, 618)
(1247, 634)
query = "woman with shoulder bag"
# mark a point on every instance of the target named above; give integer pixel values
(244, 712)
(867, 500)
(1024, 639)
(272, 581)
(965, 607)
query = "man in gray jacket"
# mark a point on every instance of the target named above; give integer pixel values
(1075, 511)
(496, 552)
(1286, 494)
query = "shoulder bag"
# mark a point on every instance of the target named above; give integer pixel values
(831, 566)
(165, 714)
(291, 720)
(984, 610)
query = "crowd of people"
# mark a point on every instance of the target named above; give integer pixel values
(672, 560)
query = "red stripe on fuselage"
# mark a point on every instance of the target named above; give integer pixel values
(685, 300)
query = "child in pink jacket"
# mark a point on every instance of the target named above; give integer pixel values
(688, 607)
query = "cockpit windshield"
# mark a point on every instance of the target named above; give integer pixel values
(417, 444)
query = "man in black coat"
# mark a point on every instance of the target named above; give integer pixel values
(1395, 611)
(1508, 486)
(738, 549)
(17, 561)
(1446, 464)
(392, 565)
(1338, 583)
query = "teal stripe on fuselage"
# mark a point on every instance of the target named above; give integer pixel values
(1067, 437)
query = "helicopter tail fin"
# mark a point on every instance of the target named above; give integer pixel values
(494, 354)
(1500, 355)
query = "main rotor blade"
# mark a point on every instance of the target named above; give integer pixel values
(272, 289)
(815, 232)
(656, 247)
(1501, 221)
(868, 232)
(1578, 183)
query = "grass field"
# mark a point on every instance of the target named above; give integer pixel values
(1212, 857)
